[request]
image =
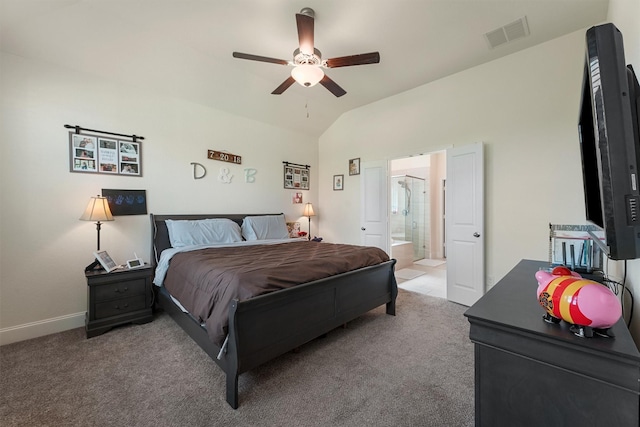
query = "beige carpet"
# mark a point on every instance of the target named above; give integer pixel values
(413, 369)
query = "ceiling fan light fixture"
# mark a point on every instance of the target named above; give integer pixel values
(307, 75)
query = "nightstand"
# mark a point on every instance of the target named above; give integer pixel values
(119, 297)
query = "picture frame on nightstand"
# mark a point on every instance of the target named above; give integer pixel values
(105, 261)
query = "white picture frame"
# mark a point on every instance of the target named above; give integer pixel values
(105, 261)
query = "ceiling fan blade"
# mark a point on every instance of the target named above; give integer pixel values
(284, 86)
(332, 86)
(361, 59)
(259, 58)
(305, 33)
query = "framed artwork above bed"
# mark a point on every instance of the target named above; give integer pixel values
(89, 153)
(296, 176)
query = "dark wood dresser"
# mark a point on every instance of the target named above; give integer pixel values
(532, 373)
(119, 297)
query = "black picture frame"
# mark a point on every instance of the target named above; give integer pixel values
(126, 202)
(92, 153)
(354, 166)
(296, 177)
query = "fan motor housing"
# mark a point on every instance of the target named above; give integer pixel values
(300, 58)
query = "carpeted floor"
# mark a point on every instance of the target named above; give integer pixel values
(414, 369)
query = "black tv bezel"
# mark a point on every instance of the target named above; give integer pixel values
(609, 143)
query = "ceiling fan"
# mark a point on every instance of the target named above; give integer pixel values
(307, 60)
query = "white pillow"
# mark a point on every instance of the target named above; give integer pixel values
(202, 232)
(264, 227)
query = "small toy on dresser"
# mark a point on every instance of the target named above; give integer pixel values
(587, 305)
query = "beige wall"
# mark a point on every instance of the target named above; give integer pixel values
(44, 247)
(523, 107)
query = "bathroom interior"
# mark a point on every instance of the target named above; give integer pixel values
(417, 219)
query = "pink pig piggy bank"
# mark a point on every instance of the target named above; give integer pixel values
(584, 303)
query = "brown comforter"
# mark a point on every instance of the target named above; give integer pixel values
(207, 280)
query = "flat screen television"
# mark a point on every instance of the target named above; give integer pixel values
(610, 143)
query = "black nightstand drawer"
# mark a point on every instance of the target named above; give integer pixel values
(120, 306)
(120, 290)
(119, 297)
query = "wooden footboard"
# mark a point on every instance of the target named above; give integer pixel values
(265, 327)
(268, 326)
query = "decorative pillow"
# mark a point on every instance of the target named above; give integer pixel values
(264, 227)
(202, 232)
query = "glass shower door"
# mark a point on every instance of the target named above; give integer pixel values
(417, 217)
(408, 212)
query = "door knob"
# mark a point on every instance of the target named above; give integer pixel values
(476, 234)
(362, 228)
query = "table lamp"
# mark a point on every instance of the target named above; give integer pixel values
(308, 212)
(97, 210)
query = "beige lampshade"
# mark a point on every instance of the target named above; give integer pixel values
(97, 210)
(308, 210)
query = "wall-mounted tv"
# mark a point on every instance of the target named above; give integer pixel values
(610, 142)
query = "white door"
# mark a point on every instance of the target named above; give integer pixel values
(374, 211)
(464, 212)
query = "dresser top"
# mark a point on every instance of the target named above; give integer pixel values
(513, 303)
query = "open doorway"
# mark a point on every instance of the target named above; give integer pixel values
(416, 222)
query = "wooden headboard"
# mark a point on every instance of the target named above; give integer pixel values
(160, 233)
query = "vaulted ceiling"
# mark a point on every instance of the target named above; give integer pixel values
(183, 48)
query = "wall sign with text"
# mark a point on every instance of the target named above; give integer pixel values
(224, 157)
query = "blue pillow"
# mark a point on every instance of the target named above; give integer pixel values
(264, 227)
(202, 232)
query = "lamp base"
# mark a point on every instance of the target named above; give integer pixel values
(94, 266)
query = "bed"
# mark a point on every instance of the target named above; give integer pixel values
(266, 325)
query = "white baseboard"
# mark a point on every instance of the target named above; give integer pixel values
(41, 328)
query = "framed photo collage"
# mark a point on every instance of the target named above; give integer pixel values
(96, 154)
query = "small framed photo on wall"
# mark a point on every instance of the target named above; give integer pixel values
(354, 166)
(338, 182)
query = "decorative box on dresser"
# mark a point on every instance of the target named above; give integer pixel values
(532, 373)
(118, 297)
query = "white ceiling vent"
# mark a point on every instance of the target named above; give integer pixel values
(513, 31)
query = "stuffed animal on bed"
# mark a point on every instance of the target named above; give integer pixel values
(589, 306)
